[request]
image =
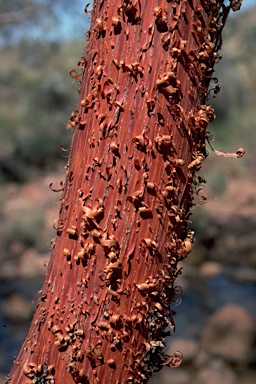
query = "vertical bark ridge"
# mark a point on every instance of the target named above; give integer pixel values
(139, 140)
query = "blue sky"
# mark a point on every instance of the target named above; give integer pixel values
(72, 26)
(78, 6)
(248, 3)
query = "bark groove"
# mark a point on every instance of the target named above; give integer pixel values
(138, 143)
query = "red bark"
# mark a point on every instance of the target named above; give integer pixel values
(139, 140)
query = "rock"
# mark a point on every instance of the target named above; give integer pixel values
(216, 372)
(8, 270)
(210, 269)
(32, 263)
(202, 359)
(16, 249)
(17, 309)
(242, 275)
(247, 376)
(168, 375)
(225, 227)
(188, 347)
(229, 334)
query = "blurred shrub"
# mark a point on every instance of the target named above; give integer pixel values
(235, 105)
(25, 228)
(216, 182)
(36, 99)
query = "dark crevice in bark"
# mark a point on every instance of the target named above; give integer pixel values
(138, 144)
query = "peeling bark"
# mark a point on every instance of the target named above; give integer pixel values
(139, 141)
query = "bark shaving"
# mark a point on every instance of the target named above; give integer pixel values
(140, 127)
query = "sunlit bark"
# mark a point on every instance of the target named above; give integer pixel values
(139, 140)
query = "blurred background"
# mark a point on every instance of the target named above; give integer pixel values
(40, 42)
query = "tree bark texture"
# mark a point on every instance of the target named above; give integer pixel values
(138, 143)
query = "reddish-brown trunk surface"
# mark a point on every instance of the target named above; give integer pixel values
(138, 142)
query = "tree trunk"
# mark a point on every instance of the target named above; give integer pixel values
(138, 143)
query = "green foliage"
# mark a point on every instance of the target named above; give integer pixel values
(216, 182)
(234, 126)
(36, 99)
(25, 228)
(235, 105)
(36, 18)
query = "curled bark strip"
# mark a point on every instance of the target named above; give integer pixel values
(173, 361)
(235, 4)
(74, 74)
(142, 286)
(131, 179)
(57, 224)
(57, 189)
(238, 154)
(64, 149)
